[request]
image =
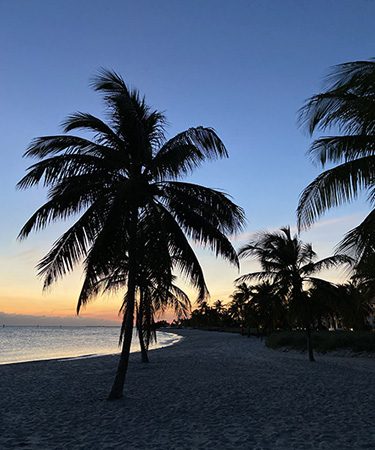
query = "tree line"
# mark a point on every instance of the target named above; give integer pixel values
(288, 295)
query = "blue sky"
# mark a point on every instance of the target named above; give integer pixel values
(243, 67)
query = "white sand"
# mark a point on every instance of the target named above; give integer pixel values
(210, 391)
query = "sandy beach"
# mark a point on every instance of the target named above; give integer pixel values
(211, 390)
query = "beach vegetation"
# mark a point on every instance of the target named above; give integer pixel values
(290, 266)
(324, 341)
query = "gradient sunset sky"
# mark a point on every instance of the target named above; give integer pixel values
(242, 67)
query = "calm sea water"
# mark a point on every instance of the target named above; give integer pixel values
(20, 344)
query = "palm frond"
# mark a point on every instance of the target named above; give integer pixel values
(249, 250)
(326, 263)
(199, 228)
(333, 188)
(360, 241)
(350, 113)
(337, 149)
(185, 259)
(69, 197)
(59, 168)
(103, 133)
(306, 253)
(186, 151)
(51, 145)
(70, 248)
(129, 113)
(259, 276)
(325, 287)
(212, 204)
(356, 76)
(110, 243)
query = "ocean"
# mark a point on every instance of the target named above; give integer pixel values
(22, 344)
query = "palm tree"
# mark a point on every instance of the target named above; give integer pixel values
(153, 298)
(355, 306)
(324, 306)
(289, 264)
(268, 306)
(125, 182)
(219, 307)
(364, 274)
(238, 306)
(156, 288)
(347, 105)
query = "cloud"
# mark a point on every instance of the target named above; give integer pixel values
(29, 256)
(249, 235)
(347, 220)
(344, 222)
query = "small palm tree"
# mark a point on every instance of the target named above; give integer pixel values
(355, 306)
(125, 182)
(156, 288)
(347, 105)
(219, 307)
(324, 306)
(364, 274)
(289, 264)
(238, 305)
(153, 299)
(268, 306)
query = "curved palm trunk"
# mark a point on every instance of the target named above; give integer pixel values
(144, 355)
(298, 295)
(308, 333)
(309, 343)
(118, 384)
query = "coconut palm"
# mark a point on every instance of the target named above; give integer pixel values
(154, 298)
(268, 306)
(238, 306)
(347, 105)
(356, 306)
(219, 307)
(289, 264)
(124, 178)
(364, 274)
(155, 282)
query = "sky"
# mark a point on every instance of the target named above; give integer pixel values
(244, 68)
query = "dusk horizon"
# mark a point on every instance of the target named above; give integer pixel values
(187, 248)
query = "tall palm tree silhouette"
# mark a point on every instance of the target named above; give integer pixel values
(124, 181)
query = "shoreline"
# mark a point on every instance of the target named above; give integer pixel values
(92, 355)
(67, 358)
(209, 390)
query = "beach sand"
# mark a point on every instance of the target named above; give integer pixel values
(210, 391)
